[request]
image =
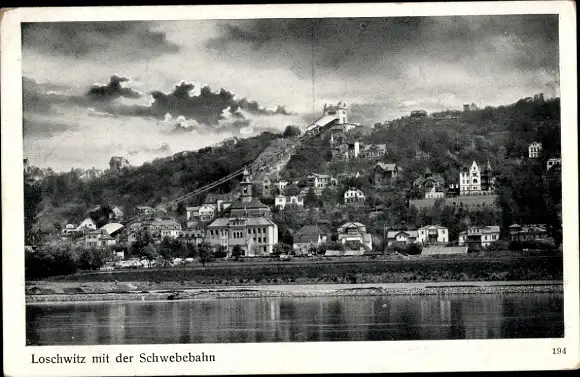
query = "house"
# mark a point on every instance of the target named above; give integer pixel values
(162, 228)
(520, 233)
(429, 180)
(113, 229)
(473, 181)
(354, 196)
(87, 223)
(384, 174)
(69, 230)
(355, 232)
(192, 215)
(402, 237)
(254, 235)
(206, 212)
(320, 181)
(99, 238)
(117, 163)
(434, 193)
(479, 236)
(279, 185)
(433, 234)
(374, 151)
(117, 212)
(194, 237)
(534, 150)
(553, 162)
(308, 237)
(282, 200)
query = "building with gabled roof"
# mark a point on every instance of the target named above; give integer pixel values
(402, 237)
(481, 235)
(307, 237)
(355, 232)
(384, 173)
(433, 234)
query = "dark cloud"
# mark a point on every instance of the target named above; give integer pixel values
(353, 46)
(112, 90)
(121, 40)
(206, 108)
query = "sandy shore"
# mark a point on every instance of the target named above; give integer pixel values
(369, 289)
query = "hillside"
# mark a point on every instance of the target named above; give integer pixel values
(500, 135)
(65, 197)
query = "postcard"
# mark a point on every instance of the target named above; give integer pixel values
(272, 189)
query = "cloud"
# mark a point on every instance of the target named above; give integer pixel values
(207, 107)
(120, 40)
(359, 46)
(112, 90)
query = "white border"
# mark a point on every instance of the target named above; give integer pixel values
(332, 357)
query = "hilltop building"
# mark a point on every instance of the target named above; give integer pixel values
(339, 111)
(117, 163)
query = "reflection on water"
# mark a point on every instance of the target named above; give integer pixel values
(297, 319)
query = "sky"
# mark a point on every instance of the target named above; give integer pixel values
(144, 90)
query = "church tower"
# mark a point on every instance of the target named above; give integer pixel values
(246, 186)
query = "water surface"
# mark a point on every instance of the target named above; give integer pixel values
(297, 319)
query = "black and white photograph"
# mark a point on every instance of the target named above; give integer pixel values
(296, 179)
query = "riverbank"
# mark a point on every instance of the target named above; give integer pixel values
(448, 288)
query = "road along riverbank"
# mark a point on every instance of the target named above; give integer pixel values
(380, 289)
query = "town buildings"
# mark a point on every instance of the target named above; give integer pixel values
(535, 150)
(521, 233)
(339, 111)
(384, 174)
(355, 232)
(308, 237)
(354, 196)
(481, 236)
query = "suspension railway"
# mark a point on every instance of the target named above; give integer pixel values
(311, 131)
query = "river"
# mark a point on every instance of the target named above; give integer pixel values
(485, 316)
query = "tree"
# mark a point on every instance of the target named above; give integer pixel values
(205, 253)
(291, 131)
(311, 199)
(149, 253)
(236, 252)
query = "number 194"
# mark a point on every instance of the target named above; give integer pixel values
(559, 351)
